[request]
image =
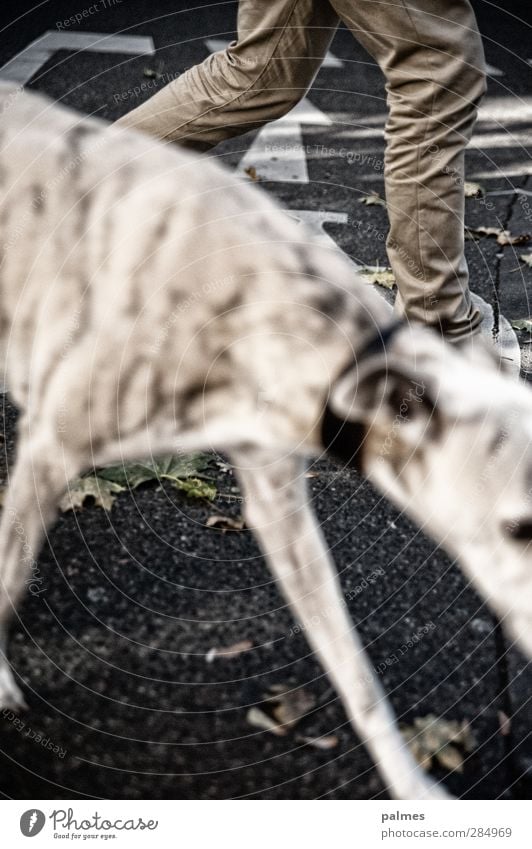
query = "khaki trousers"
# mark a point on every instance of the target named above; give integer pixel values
(431, 55)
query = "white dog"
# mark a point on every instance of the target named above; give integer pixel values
(151, 302)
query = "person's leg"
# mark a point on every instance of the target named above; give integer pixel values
(260, 77)
(432, 56)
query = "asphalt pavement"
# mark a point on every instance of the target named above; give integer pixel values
(115, 656)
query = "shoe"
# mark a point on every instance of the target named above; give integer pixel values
(500, 348)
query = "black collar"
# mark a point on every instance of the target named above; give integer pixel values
(341, 438)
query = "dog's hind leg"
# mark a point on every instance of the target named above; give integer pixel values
(39, 477)
(278, 512)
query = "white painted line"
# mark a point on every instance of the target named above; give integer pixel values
(216, 44)
(25, 64)
(504, 109)
(496, 110)
(314, 221)
(485, 141)
(277, 153)
(517, 169)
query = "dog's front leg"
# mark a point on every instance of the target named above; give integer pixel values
(277, 510)
(40, 475)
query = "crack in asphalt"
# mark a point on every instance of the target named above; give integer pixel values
(505, 225)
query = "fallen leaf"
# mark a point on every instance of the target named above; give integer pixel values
(225, 523)
(373, 199)
(505, 723)
(152, 73)
(195, 488)
(527, 259)
(103, 492)
(473, 190)
(289, 705)
(251, 171)
(450, 758)
(230, 651)
(312, 474)
(283, 707)
(522, 324)
(182, 472)
(382, 275)
(504, 237)
(320, 742)
(445, 741)
(257, 717)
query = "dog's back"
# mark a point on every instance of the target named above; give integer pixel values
(119, 252)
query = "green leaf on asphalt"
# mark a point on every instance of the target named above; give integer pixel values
(172, 467)
(523, 324)
(183, 472)
(195, 488)
(382, 275)
(102, 492)
(373, 199)
(473, 190)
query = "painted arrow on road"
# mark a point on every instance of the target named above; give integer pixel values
(216, 44)
(277, 153)
(22, 67)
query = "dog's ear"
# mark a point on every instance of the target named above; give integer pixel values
(380, 397)
(378, 387)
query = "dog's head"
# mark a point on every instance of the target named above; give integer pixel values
(451, 443)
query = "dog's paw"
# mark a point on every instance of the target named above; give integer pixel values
(11, 697)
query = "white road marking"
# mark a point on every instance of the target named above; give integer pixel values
(499, 192)
(516, 169)
(215, 44)
(277, 153)
(25, 64)
(314, 221)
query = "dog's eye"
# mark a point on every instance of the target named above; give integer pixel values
(519, 530)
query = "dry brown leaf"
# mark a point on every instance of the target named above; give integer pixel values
(229, 651)
(450, 758)
(289, 705)
(505, 723)
(373, 199)
(444, 741)
(522, 324)
(473, 190)
(257, 717)
(382, 275)
(504, 237)
(323, 743)
(282, 708)
(251, 171)
(225, 523)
